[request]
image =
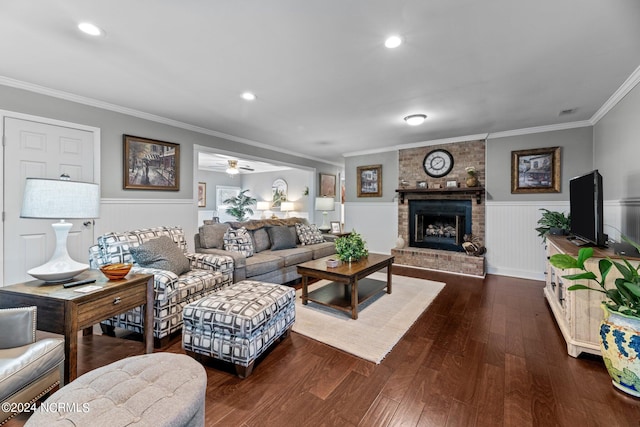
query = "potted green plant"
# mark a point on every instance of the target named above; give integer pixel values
(351, 248)
(553, 222)
(620, 327)
(240, 205)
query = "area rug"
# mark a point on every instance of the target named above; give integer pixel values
(382, 320)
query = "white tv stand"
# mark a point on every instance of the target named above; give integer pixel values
(577, 313)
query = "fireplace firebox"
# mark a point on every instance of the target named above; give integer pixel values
(439, 224)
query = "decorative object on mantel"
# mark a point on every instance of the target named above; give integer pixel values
(472, 177)
(399, 242)
(351, 248)
(620, 327)
(472, 245)
(404, 183)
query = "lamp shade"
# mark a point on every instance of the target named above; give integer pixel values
(286, 206)
(60, 199)
(263, 206)
(325, 204)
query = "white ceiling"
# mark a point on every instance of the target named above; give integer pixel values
(325, 83)
(216, 162)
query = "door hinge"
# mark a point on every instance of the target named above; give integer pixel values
(4, 140)
(2, 216)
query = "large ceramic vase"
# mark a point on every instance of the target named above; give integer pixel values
(620, 346)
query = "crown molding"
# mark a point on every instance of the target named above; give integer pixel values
(540, 129)
(443, 141)
(42, 90)
(617, 96)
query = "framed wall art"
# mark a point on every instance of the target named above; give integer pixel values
(202, 194)
(279, 191)
(536, 170)
(327, 185)
(370, 181)
(150, 164)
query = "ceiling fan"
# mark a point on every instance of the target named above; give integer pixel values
(235, 169)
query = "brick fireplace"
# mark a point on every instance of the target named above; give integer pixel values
(433, 220)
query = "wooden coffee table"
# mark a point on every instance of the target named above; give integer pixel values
(349, 286)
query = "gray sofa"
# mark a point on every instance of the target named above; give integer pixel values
(266, 262)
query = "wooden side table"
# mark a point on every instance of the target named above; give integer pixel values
(66, 311)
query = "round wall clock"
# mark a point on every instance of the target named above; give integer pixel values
(438, 163)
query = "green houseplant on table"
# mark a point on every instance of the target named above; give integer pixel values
(620, 327)
(351, 248)
(240, 205)
(552, 222)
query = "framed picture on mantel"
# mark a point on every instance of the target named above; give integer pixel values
(536, 170)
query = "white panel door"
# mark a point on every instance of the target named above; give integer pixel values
(40, 150)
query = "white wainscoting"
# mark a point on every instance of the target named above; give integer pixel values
(131, 214)
(376, 222)
(513, 245)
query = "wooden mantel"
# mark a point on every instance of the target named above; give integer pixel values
(478, 191)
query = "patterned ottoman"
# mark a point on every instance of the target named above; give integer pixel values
(239, 322)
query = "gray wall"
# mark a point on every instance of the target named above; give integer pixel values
(389, 162)
(113, 125)
(617, 148)
(216, 178)
(576, 155)
(297, 180)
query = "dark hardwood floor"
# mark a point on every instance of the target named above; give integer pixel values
(485, 353)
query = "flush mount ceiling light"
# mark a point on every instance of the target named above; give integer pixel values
(248, 96)
(233, 167)
(392, 42)
(91, 29)
(415, 119)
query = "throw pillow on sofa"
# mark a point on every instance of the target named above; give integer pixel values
(260, 240)
(161, 253)
(309, 234)
(281, 238)
(238, 241)
(211, 236)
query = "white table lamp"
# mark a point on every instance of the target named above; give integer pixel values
(325, 204)
(286, 207)
(60, 199)
(263, 206)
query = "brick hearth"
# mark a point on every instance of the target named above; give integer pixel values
(465, 154)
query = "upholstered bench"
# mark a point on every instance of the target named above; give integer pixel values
(238, 323)
(160, 389)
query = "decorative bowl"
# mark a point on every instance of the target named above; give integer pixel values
(332, 263)
(115, 271)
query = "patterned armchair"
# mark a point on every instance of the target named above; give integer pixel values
(172, 292)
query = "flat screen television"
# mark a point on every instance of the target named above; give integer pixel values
(586, 206)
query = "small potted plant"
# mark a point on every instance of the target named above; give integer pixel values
(551, 222)
(351, 248)
(240, 205)
(620, 327)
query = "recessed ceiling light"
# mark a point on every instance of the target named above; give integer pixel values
(89, 28)
(415, 119)
(248, 96)
(393, 42)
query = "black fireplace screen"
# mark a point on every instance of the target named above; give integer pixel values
(439, 224)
